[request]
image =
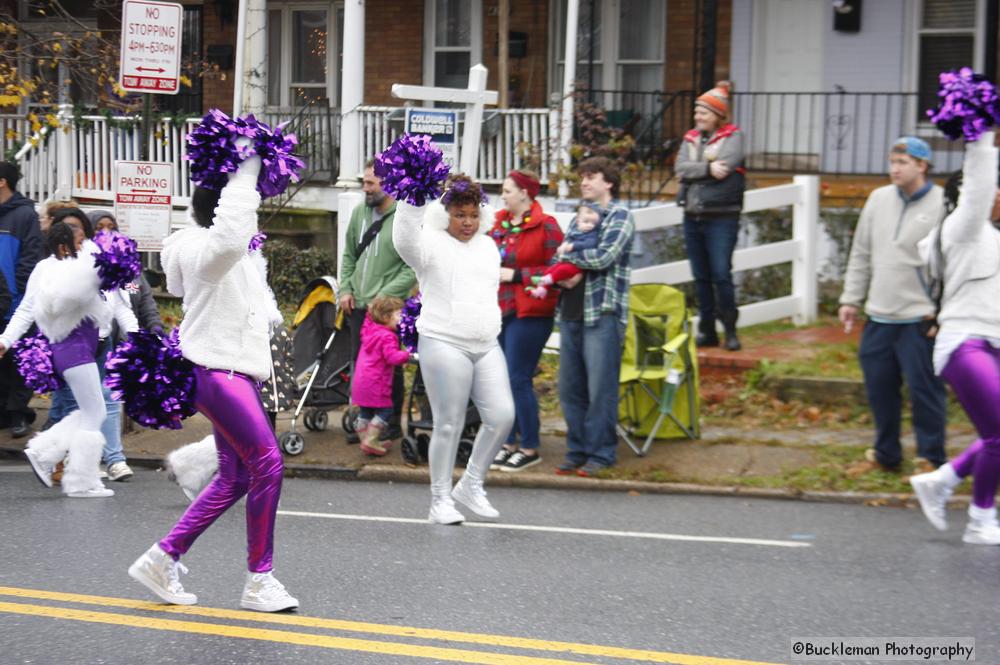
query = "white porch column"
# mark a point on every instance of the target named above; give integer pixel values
(569, 77)
(64, 153)
(255, 64)
(352, 92)
(241, 49)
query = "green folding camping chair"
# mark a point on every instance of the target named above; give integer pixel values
(659, 373)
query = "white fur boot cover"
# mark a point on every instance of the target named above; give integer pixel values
(193, 466)
(84, 466)
(53, 444)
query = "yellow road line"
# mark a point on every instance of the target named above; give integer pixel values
(382, 629)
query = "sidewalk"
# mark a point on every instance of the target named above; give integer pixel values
(728, 460)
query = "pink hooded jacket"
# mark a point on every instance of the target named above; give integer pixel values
(371, 385)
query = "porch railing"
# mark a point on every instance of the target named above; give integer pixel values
(77, 158)
(506, 135)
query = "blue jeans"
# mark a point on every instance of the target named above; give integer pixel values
(889, 353)
(710, 244)
(370, 412)
(522, 341)
(590, 359)
(63, 404)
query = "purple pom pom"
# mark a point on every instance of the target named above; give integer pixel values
(118, 262)
(968, 105)
(33, 357)
(411, 169)
(257, 241)
(408, 323)
(279, 165)
(212, 150)
(154, 379)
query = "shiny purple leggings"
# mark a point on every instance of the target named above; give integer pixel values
(249, 463)
(973, 372)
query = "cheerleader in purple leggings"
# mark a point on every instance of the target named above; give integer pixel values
(229, 311)
(965, 252)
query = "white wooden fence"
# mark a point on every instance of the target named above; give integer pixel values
(801, 250)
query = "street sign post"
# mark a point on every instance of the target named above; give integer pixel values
(441, 125)
(151, 47)
(143, 201)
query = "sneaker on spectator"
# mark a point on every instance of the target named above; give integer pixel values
(503, 455)
(590, 469)
(520, 461)
(119, 472)
(567, 469)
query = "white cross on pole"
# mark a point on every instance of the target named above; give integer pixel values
(474, 97)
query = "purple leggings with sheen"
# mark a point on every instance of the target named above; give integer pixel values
(973, 371)
(249, 463)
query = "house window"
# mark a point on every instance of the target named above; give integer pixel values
(303, 54)
(454, 34)
(188, 100)
(948, 38)
(619, 45)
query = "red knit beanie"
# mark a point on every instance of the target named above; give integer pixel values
(716, 100)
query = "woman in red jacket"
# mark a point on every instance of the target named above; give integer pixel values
(527, 239)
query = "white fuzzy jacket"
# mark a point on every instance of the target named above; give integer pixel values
(228, 307)
(61, 294)
(970, 247)
(458, 280)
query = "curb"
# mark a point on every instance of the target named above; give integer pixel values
(421, 475)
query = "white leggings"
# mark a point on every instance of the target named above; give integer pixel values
(452, 376)
(85, 383)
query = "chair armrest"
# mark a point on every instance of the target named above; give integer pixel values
(675, 344)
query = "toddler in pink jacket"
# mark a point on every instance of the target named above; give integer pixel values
(371, 385)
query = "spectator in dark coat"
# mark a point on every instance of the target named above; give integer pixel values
(21, 247)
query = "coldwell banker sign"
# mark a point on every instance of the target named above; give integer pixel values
(441, 125)
(151, 47)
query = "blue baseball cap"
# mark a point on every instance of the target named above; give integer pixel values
(916, 148)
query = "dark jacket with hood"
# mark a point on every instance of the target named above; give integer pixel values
(21, 247)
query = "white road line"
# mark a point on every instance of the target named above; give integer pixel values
(15, 469)
(559, 529)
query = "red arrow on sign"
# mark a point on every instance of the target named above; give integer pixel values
(150, 69)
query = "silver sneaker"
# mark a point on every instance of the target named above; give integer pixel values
(119, 472)
(43, 473)
(932, 493)
(471, 494)
(264, 593)
(100, 492)
(158, 572)
(443, 511)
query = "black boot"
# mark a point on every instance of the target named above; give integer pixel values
(729, 324)
(706, 333)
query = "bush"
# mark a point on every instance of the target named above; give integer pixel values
(289, 269)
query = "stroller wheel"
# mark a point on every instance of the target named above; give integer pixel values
(347, 421)
(292, 443)
(320, 420)
(307, 420)
(410, 450)
(464, 452)
(423, 445)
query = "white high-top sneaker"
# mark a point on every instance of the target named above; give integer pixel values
(470, 493)
(982, 528)
(264, 593)
(932, 491)
(42, 471)
(443, 511)
(158, 572)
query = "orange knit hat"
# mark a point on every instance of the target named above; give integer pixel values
(716, 100)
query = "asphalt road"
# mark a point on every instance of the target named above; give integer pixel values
(565, 577)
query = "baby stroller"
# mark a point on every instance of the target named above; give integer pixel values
(321, 349)
(419, 417)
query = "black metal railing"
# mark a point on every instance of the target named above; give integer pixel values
(839, 133)
(317, 127)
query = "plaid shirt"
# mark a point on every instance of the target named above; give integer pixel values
(607, 276)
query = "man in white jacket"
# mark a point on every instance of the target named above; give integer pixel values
(886, 274)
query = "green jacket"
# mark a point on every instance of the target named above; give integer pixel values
(378, 271)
